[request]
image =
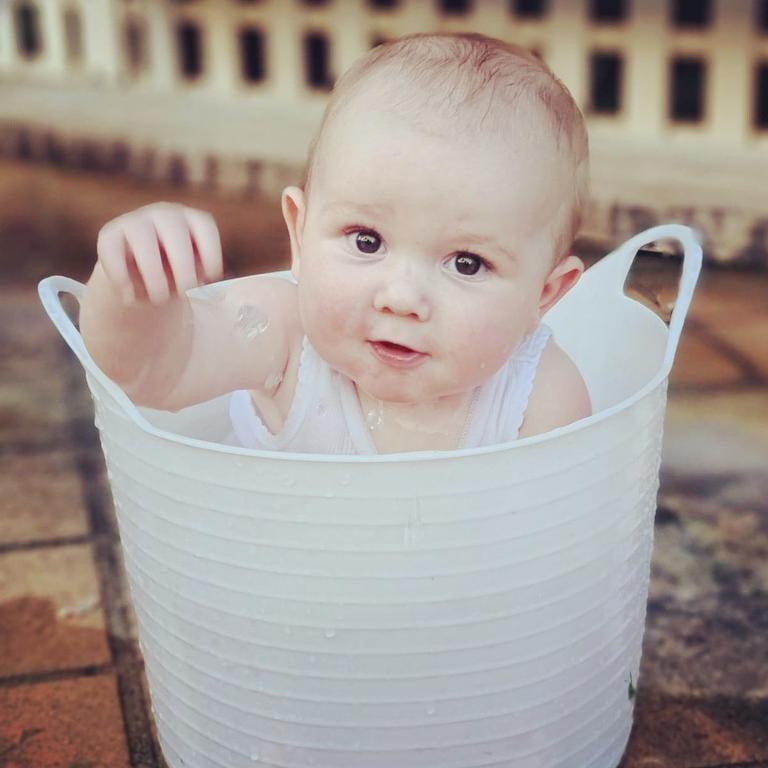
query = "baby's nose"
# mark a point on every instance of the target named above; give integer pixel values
(402, 294)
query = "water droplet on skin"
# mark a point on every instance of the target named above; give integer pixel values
(251, 321)
(375, 417)
(329, 633)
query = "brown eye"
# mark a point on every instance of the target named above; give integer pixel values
(367, 242)
(468, 264)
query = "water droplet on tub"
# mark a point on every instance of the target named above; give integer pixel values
(430, 708)
(321, 408)
(289, 481)
(411, 530)
(251, 321)
(330, 633)
(255, 754)
(345, 478)
(287, 630)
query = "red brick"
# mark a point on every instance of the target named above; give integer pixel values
(689, 731)
(50, 611)
(42, 498)
(65, 724)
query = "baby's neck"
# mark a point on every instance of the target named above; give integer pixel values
(441, 420)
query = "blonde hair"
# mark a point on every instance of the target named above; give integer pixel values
(450, 76)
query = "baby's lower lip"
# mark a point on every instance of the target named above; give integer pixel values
(393, 354)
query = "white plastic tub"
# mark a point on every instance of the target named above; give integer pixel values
(482, 607)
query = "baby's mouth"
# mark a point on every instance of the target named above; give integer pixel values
(396, 354)
(395, 347)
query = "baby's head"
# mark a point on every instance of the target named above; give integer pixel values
(441, 198)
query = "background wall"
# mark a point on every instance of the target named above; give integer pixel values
(226, 94)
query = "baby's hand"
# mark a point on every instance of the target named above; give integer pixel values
(159, 251)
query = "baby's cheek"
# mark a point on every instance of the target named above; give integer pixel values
(486, 351)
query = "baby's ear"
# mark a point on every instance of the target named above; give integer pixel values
(292, 203)
(560, 280)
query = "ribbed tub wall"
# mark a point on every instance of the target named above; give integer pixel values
(289, 621)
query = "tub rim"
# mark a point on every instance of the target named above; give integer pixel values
(618, 262)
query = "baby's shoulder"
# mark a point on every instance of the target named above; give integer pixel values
(559, 395)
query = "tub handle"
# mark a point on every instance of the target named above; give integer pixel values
(49, 290)
(618, 263)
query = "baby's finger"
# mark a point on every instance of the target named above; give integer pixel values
(112, 247)
(175, 237)
(142, 240)
(206, 237)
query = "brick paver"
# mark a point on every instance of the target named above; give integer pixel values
(50, 611)
(48, 483)
(72, 723)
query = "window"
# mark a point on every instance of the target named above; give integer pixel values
(529, 9)
(454, 6)
(606, 72)
(761, 96)
(190, 50)
(316, 61)
(28, 39)
(252, 54)
(608, 10)
(761, 15)
(135, 36)
(691, 13)
(687, 94)
(73, 36)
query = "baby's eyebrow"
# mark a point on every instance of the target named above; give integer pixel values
(362, 207)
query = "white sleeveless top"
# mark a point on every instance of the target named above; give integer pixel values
(325, 415)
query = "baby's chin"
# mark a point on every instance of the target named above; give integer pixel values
(403, 392)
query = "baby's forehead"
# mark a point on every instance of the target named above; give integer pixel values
(523, 126)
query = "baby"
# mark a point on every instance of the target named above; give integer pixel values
(431, 232)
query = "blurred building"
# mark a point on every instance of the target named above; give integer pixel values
(228, 93)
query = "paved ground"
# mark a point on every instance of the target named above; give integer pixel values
(71, 685)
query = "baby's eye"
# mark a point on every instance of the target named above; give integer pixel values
(366, 241)
(469, 264)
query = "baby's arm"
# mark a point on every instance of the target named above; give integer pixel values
(559, 395)
(166, 350)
